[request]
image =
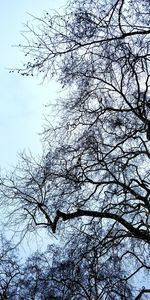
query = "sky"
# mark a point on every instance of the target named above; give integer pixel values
(22, 99)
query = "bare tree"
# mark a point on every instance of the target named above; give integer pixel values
(35, 282)
(10, 270)
(97, 162)
(82, 271)
(75, 271)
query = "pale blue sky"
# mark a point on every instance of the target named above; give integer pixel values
(21, 99)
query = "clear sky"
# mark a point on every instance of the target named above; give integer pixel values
(22, 99)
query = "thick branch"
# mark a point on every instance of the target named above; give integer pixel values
(140, 234)
(143, 291)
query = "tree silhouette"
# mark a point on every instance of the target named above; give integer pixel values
(96, 165)
(10, 270)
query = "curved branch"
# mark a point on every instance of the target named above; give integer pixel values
(140, 234)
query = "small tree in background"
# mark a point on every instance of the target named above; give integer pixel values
(96, 166)
(10, 270)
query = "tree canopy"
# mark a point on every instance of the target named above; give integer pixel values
(93, 178)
